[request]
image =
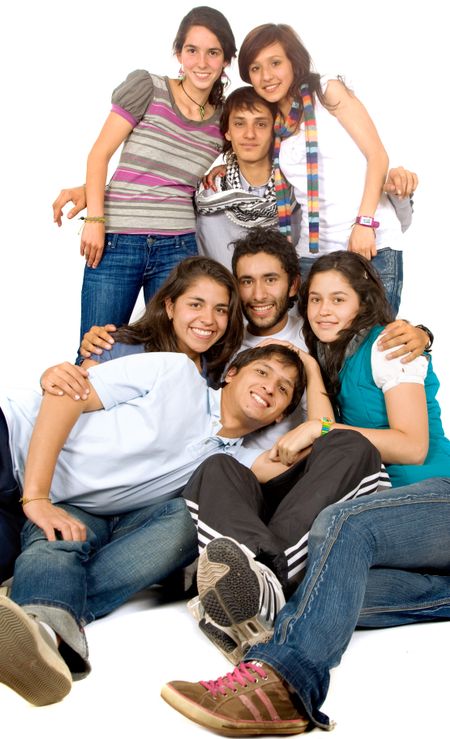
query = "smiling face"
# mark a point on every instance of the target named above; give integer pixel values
(250, 133)
(332, 305)
(262, 390)
(199, 316)
(271, 75)
(264, 291)
(202, 59)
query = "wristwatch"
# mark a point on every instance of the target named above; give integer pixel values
(367, 221)
(430, 337)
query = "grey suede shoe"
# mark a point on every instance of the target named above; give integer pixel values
(30, 663)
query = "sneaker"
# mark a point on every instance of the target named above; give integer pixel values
(30, 662)
(250, 700)
(222, 637)
(240, 596)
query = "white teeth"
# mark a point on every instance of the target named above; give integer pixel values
(202, 332)
(261, 308)
(259, 400)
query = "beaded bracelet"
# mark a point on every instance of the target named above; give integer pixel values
(24, 501)
(93, 219)
(326, 424)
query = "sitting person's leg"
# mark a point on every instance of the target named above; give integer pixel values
(405, 529)
(50, 587)
(235, 590)
(146, 546)
(342, 465)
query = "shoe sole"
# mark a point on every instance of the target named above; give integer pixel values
(229, 591)
(29, 665)
(227, 727)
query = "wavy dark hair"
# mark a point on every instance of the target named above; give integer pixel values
(285, 356)
(243, 98)
(271, 33)
(215, 22)
(374, 310)
(155, 330)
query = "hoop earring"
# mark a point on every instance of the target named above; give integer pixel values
(181, 74)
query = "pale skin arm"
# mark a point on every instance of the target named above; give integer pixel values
(113, 134)
(404, 442)
(410, 340)
(70, 378)
(75, 195)
(56, 418)
(277, 460)
(353, 116)
(401, 182)
(272, 463)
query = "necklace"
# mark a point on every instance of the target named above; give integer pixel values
(200, 107)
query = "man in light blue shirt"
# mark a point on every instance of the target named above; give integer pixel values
(101, 489)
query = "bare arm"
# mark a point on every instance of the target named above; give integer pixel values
(406, 439)
(410, 340)
(56, 418)
(353, 116)
(112, 135)
(318, 402)
(75, 195)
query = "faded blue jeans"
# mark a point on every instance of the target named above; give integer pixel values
(67, 584)
(388, 263)
(377, 561)
(129, 262)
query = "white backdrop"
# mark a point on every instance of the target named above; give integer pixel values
(59, 64)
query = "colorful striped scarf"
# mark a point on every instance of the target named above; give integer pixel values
(285, 127)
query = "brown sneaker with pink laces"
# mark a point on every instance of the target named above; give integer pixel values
(251, 700)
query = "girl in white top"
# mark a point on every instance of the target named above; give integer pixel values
(351, 163)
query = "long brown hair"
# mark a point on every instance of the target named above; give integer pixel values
(215, 22)
(271, 33)
(155, 330)
(374, 309)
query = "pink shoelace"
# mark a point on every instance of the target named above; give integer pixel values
(240, 676)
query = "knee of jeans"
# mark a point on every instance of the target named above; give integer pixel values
(35, 543)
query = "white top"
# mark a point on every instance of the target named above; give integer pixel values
(266, 438)
(342, 171)
(388, 373)
(160, 422)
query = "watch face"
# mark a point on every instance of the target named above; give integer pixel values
(365, 221)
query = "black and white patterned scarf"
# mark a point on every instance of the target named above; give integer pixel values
(243, 208)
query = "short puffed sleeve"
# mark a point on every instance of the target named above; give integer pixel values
(133, 96)
(388, 373)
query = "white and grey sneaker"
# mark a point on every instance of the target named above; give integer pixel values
(30, 662)
(240, 597)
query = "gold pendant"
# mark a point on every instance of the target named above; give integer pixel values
(202, 111)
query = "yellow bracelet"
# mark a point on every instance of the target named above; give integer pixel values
(326, 424)
(24, 501)
(93, 219)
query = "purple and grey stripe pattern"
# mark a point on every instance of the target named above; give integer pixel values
(162, 160)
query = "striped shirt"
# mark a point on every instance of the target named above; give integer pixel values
(162, 160)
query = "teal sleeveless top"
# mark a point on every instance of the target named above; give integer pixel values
(362, 404)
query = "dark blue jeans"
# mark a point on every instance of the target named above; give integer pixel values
(389, 265)
(129, 262)
(377, 561)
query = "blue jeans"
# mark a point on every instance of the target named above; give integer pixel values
(389, 265)
(378, 561)
(129, 262)
(70, 583)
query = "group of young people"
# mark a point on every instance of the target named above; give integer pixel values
(285, 433)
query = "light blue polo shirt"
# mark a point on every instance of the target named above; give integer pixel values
(159, 422)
